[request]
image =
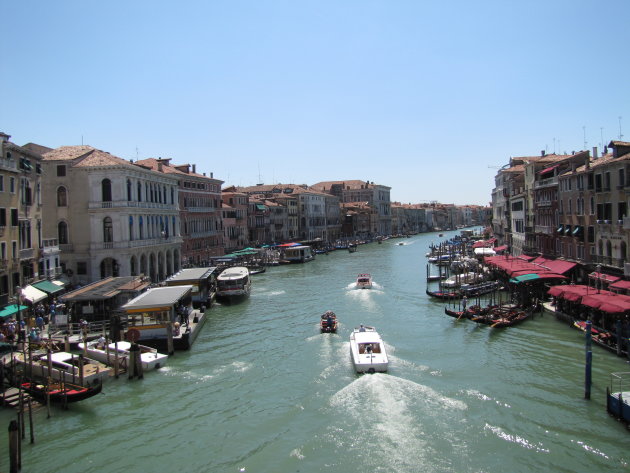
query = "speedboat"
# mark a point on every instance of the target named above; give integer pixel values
(364, 281)
(367, 350)
(149, 356)
(328, 322)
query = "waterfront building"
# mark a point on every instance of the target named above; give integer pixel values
(278, 220)
(610, 199)
(111, 217)
(360, 220)
(376, 195)
(20, 217)
(258, 221)
(313, 208)
(199, 210)
(234, 218)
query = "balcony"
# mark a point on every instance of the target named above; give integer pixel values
(125, 204)
(27, 253)
(551, 181)
(546, 229)
(116, 245)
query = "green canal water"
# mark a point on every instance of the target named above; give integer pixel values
(263, 391)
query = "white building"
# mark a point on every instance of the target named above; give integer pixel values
(111, 217)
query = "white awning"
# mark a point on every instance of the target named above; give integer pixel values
(32, 294)
(484, 252)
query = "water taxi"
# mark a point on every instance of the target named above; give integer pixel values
(368, 350)
(328, 322)
(233, 283)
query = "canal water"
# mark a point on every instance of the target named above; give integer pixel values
(263, 391)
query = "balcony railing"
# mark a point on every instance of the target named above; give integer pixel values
(551, 181)
(123, 204)
(135, 243)
(27, 253)
(546, 229)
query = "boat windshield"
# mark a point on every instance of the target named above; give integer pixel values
(367, 348)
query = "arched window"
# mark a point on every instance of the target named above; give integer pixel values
(174, 227)
(130, 227)
(62, 197)
(106, 190)
(164, 194)
(108, 230)
(139, 192)
(62, 233)
(172, 195)
(141, 228)
(129, 196)
(147, 195)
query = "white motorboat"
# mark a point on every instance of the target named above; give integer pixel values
(64, 366)
(149, 356)
(234, 282)
(364, 281)
(368, 350)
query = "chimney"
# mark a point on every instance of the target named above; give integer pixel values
(194, 168)
(160, 166)
(211, 175)
(542, 152)
(594, 152)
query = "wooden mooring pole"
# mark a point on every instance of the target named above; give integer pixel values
(589, 362)
(14, 440)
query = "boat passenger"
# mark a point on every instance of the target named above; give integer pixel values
(329, 319)
(361, 328)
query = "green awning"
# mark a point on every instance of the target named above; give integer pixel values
(261, 207)
(48, 287)
(9, 310)
(524, 278)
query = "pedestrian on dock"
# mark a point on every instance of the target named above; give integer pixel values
(39, 321)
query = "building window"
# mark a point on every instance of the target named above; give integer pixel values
(3, 217)
(141, 228)
(129, 190)
(108, 230)
(139, 192)
(62, 233)
(106, 190)
(130, 227)
(14, 217)
(12, 185)
(81, 267)
(1, 183)
(62, 200)
(61, 170)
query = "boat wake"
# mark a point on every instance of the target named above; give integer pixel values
(377, 412)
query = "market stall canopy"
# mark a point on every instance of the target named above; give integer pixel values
(607, 302)
(50, 287)
(570, 292)
(10, 310)
(483, 251)
(620, 285)
(556, 265)
(32, 294)
(534, 276)
(607, 278)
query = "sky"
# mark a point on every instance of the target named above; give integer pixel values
(429, 98)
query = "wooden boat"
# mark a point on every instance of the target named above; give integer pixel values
(368, 350)
(599, 336)
(364, 281)
(59, 392)
(65, 366)
(444, 294)
(328, 322)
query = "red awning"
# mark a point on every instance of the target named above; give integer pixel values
(501, 248)
(607, 302)
(526, 258)
(570, 292)
(549, 169)
(621, 284)
(603, 277)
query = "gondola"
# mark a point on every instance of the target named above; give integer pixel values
(60, 392)
(444, 295)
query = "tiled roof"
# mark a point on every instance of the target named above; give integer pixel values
(351, 183)
(65, 153)
(153, 163)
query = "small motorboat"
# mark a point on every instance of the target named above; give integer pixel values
(364, 281)
(328, 322)
(59, 392)
(64, 366)
(368, 350)
(149, 356)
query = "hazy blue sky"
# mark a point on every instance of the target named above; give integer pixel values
(426, 97)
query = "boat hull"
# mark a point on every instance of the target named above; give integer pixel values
(368, 360)
(60, 393)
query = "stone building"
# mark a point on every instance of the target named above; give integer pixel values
(111, 216)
